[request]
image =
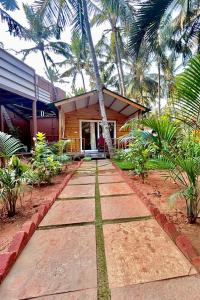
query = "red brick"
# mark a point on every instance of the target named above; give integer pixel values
(155, 211)
(7, 259)
(196, 262)
(146, 200)
(19, 242)
(29, 228)
(161, 219)
(186, 247)
(171, 230)
(43, 209)
(37, 218)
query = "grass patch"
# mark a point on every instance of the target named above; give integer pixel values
(103, 291)
(124, 164)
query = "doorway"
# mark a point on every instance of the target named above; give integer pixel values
(91, 130)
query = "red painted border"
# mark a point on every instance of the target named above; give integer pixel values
(22, 237)
(182, 242)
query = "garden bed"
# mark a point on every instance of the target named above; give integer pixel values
(31, 199)
(158, 190)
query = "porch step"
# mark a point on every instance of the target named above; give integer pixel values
(97, 155)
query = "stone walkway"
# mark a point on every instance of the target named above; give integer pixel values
(99, 241)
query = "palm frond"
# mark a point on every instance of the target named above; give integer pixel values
(146, 24)
(166, 129)
(9, 145)
(14, 27)
(9, 4)
(187, 92)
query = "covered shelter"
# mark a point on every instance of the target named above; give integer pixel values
(25, 100)
(80, 119)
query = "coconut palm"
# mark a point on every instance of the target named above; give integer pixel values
(40, 35)
(75, 58)
(75, 12)
(187, 93)
(13, 26)
(109, 70)
(117, 13)
(156, 28)
(156, 16)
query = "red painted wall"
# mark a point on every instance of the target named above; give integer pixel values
(22, 127)
(49, 126)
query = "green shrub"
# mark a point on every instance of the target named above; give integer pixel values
(179, 155)
(87, 158)
(11, 180)
(44, 164)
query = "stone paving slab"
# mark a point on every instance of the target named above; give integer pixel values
(54, 261)
(107, 173)
(79, 295)
(183, 288)
(76, 191)
(106, 167)
(122, 207)
(82, 180)
(103, 162)
(139, 252)
(69, 212)
(115, 189)
(110, 178)
(85, 173)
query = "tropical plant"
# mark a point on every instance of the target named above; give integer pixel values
(9, 190)
(11, 180)
(141, 148)
(44, 163)
(8, 146)
(179, 155)
(187, 94)
(60, 146)
(75, 58)
(76, 12)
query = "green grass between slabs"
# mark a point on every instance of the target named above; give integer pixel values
(103, 290)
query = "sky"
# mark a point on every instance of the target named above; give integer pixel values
(13, 44)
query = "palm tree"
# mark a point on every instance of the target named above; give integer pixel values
(187, 93)
(76, 12)
(141, 84)
(40, 35)
(117, 13)
(156, 16)
(75, 58)
(13, 26)
(109, 70)
(155, 21)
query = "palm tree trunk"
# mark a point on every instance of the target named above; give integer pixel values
(118, 59)
(47, 69)
(159, 89)
(120, 65)
(98, 81)
(83, 81)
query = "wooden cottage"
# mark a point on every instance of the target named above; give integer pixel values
(80, 119)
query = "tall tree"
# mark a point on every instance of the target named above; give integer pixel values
(41, 36)
(155, 21)
(76, 12)
(75, 59)
(14, 27)
(117, 14)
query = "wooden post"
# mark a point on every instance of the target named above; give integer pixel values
(34, 116)
(2, 118)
